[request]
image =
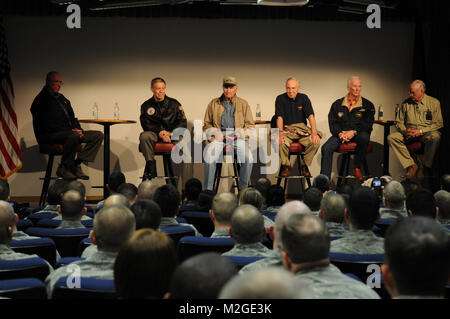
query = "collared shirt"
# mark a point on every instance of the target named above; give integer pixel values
(414, 115)
(49, 209)
(99, 265)
(360, 118)
(358, 241)
(249, 250)
(89, 251)
(391, 213)
(70, 224)
(171, 221)
(20, 235)
(84, 217)
(293, 111)
(6, 253)
(227, 120)
(221, 233)
(336, 229)
(328, 282)
(273, 260)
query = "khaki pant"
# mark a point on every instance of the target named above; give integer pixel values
(310, 148)
(430, 140)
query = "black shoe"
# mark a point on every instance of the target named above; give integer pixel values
(79, 173)
(65, 173)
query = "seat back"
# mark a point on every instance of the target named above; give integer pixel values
(356, 264)
(67, 260)
(191, 245)
(43, 247)
(52, 223)
(243, 261)
(383, 225)
(36, 217)
(34, 267)
(84, 243)
(89, 288)
(177, 232)
(23, 288)
(67, 240)
(23, 224)
(270, 215)
(201, 220)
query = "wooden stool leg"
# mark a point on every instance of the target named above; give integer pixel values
(47, 178)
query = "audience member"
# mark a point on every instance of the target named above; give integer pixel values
(4, 190)
(168, 199)
(79, 187)
(16, 235)
(144, 265)
(147, 214)
(306, 246)
(117, 199)
(361, 216)
(345, 189)
(7, 226)
(393, 201)
(332, 211)
(71, 210)
(321, 182)
(445, 182)
(267, 283)
(262, 185)
(147, 189)
(128, 190)
(192, 188)
(312, 198)
(201, 277)
(204, 201)
(247, 229)
(287, 210)
(442, 199)
(410, 185)
(275, 198)
(421, 203)
(113, 225)
(54, 195)
(222, 208)
(115, 179)
(417, 259)
(252, 196)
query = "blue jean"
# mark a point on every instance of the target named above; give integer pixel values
(332, 145)
(213, 153)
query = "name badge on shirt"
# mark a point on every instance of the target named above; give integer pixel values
(300, 107)
(341, 114)
(358, 114)
(151, 111)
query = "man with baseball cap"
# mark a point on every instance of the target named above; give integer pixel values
(227, 119)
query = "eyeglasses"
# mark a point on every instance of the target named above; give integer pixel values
(60, 82)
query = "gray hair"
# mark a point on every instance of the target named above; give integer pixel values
(147, 189)
(420, 84)
(287, 210)
(350, 79)
(247, 225)
(333, 208)
(267, 283)
(223, 206)
(113, 225)
(117, 199)
(442, 199)
(7, 219)
(395, 195)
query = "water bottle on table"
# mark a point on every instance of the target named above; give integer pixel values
(95, 111)
(116, 111)
(258, 112)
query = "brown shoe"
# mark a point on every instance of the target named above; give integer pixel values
(305, 171)
(286, 171)
(79, 173)
(358, 174)
(65, 173)
(411, 171)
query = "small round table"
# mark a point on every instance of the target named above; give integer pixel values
(106, 144)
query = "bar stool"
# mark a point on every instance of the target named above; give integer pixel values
(218, 174)
(165, 149)
(348, 149)
(51, 150)
(295, 149)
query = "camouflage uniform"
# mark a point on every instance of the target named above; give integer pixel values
(249, 250)
(89, 251)
(70, 224)
(273, 209)
(49, 209)
(336, 229)
(20, 235)
(171, 221)
(390, 213)
(221, 233)
(6, 253)
(268, 222)
(274, 260)
(328, 282)
(84, 217)
(99, 265)
(358, 241)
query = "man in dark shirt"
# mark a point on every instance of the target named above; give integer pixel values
(54, 122)
(291, 110)
(350, 119)
(160, 115)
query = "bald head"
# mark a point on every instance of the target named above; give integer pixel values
(113, 225)
(417, 90)
(247, 225)
(72, 205)
(147, 189)
(223, 206)
(7, 222)
(117, 199)
(333, 208)
(286, 211)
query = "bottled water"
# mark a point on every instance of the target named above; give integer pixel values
(380, 112)
(95, 111)
(258, 112)
(116, 111)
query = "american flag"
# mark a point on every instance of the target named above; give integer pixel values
(10, 153)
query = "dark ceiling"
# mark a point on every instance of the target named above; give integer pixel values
(391, 10)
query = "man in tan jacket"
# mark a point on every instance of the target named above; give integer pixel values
(226, 123)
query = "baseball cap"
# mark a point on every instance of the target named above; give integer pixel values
(229, 81)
